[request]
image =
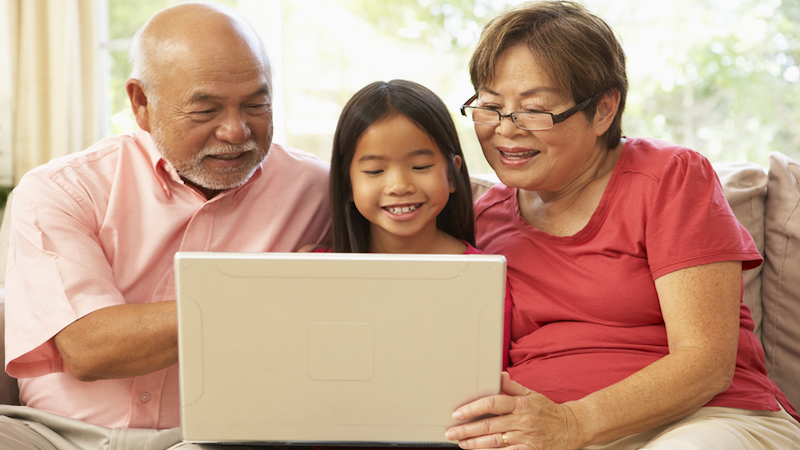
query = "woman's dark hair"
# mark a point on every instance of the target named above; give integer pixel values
(375, 102)
(577, 49)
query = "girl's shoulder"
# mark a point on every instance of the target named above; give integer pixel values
(471, 250)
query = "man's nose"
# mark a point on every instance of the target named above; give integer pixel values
(233, 128)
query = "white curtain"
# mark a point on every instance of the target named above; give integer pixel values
(54, 59)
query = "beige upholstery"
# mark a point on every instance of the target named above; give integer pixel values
(781, 276)
(5, 230)
(9, 392)
(745, 186)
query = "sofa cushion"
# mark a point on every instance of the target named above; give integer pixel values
(482, 183)
(5, 232)
(9, 390)
(781, 275)
(745, 186)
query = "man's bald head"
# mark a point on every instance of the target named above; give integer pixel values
(188, 33)
(202, 88)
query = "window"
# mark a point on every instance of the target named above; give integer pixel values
(719, 76)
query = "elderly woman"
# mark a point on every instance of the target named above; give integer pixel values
(624, 260)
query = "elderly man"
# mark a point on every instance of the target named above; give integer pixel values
(90, 286)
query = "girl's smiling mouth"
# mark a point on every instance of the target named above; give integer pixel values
(405, 209)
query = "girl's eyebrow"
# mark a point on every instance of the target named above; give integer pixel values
(420, 152)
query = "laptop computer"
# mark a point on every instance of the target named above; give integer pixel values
(333, 348)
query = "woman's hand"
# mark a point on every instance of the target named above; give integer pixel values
(523, 419)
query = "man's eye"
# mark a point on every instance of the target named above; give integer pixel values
(204, 115)
(259, 108)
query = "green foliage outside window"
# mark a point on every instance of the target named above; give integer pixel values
(719, 76)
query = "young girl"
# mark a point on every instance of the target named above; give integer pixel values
(399, 182)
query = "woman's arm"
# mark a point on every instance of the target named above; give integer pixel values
(700, 306)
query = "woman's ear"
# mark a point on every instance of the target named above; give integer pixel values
(451, 181)
(139, 103)
(606, 111)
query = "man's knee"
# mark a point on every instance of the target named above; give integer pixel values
(16, 435)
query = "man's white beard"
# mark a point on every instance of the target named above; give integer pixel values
(191, 169)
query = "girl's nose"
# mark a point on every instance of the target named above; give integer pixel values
(399, 183)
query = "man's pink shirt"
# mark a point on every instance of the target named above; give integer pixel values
(100, 228)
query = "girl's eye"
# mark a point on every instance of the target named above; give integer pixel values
(372, 172)
(423, 167)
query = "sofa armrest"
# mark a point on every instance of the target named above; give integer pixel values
(5, 231)
(9, 390)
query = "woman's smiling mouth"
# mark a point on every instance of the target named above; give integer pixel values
(517, 155)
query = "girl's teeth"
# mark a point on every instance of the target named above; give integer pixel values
(402, 209)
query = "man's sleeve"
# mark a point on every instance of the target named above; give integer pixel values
(57, 272)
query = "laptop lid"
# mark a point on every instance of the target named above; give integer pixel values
(333, 348)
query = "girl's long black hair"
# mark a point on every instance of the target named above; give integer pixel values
(373, 103)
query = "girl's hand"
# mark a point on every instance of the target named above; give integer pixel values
(528, 420)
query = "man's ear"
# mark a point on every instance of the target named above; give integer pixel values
(606, 110)
(457, 161)
(139, 103)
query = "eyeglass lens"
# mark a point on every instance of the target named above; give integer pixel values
(528, 121)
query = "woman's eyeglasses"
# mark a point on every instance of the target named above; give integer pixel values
(526, 120)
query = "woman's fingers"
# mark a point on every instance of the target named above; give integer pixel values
(488, 441)
(520, 418)
(482, 433)
(495, 405)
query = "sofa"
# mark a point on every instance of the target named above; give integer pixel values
(765, 200)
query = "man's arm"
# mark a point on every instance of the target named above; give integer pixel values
(120, 341)
(62, 293)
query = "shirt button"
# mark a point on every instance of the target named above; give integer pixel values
(145, 397)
